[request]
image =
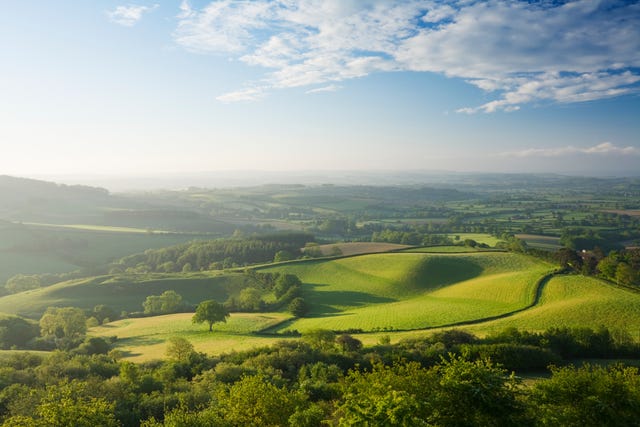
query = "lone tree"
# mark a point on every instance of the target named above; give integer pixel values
(211, 312)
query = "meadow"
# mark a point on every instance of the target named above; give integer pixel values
(403, 291)
(146, 338)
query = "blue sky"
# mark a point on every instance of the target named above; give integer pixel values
(150, 87)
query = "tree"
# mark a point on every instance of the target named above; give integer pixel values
(589, 395)
(298, 307)
(348, 343)
(250, 299)
(210, 311)
(179, 348)
(320, 338)
(65, 322)
(169, 302)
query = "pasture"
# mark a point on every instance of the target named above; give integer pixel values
(403, 291)
(121, 292)
(145, 339)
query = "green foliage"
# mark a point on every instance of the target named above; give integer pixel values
(66, 322)
(22, 282)
(169, 302)
(200, 255)
(179, 348)
(320, 338)
(298, 307)
(210, 311)
(17, 332)
(257, 402)
(588, 396)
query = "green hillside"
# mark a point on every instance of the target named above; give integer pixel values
(576, 301)
(409, 291)
(125, 292)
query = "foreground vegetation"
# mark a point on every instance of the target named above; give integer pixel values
(448, 379)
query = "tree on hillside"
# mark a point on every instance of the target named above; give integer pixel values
(210, 311)
(179, 348)
(65, 322)
(169, 302)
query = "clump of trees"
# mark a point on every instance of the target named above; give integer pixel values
(621, 267)
(269, 291)
(215, 254)
(168, 302)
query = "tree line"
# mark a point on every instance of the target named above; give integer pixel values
(450, 378)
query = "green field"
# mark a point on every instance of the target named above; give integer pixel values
(410, 290)
(33, 249)
(145, 339)
(125, 292)
(576, 301)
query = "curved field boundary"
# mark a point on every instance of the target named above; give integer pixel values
(540, 284)
(539, 287)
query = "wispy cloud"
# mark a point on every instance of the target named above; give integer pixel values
(244, 95)
(329, 88)
(519, 52)
(129, 15)
(605, 148)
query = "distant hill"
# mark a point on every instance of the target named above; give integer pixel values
(20, 190)
(23, 199)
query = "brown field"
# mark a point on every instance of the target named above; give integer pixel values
(357, 248)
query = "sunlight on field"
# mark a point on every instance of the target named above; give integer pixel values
(145, 338)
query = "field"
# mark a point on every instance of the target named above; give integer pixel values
(403, 291)
(357, 248)
(537, 241)
(577, 301)
(120, 292)
(32, 249)
(145, 339)
(396, 294)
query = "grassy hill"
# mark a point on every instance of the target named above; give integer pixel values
(576, 301)
(411, 290)
(126, 292)
(145, 339)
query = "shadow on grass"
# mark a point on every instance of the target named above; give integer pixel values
(323, 303)
(137, 341)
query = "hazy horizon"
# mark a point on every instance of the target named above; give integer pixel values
(158, 88)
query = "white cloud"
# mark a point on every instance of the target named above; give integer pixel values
(518, 52)
(605, 148)
(244, 95)
(129, 15)
(329, 88)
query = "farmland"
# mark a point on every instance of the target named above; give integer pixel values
(317, 281)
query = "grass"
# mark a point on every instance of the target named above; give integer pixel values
(126, 292)
(411, 290)
(33, 249)
(357, 248)
(145, 339)
(540, 241)
(576, 301)
(89, 227)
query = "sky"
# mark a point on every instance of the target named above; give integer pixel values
(136, 88)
